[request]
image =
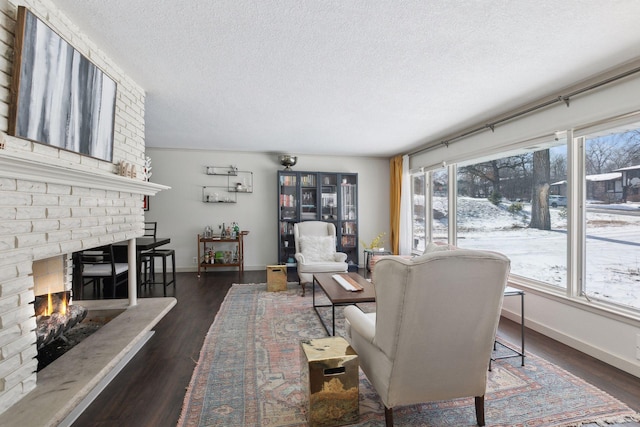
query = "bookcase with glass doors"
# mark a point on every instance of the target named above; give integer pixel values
(318, 196)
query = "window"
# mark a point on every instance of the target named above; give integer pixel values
(418, 211)
(521, 203)
(506, 205)
(612, 217)
(440, 206)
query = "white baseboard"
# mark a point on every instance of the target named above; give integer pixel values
(579, 345)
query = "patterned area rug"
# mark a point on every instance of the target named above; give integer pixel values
(248, 374)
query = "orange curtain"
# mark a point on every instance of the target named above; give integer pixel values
(394, 203)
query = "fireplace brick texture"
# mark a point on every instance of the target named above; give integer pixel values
(40, 219)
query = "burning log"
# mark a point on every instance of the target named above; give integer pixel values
(54, 317)
(51, 327)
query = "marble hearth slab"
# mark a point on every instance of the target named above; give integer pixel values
(63, 384)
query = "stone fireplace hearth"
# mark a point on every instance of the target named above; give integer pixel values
(70, 383)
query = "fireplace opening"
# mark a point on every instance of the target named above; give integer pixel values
(61, 326)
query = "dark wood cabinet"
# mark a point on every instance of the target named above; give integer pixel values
(318, 196)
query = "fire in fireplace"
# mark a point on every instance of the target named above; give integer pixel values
(55, 318)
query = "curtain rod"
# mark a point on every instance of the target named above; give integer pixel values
(561, 98)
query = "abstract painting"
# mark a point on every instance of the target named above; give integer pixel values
(61, 98)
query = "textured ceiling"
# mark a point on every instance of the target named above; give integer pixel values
(362, 77)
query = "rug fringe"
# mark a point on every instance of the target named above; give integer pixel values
(620, 419)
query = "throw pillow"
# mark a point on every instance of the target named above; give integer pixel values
(318, 248)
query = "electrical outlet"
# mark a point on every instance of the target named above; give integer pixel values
(195, 260)
(638, 346)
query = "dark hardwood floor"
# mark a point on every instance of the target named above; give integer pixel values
(150, 389)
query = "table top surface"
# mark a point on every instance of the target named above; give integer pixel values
(146, 243)
(339, 295)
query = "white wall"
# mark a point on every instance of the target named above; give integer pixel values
(181, 214)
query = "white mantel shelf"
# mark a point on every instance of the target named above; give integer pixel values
(18, 167)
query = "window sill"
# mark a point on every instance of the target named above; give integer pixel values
(600, 308)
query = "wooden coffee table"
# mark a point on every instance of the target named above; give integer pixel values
(338, 296)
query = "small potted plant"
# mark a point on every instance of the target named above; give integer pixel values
(376, 243)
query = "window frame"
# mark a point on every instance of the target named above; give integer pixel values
(574, 293)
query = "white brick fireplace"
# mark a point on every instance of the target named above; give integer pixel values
(54, 202)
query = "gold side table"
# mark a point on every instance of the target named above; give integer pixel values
(330, 375)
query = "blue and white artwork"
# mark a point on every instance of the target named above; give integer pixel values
(64, 100)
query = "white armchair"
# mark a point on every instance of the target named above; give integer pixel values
(316, 250)
(433, 331)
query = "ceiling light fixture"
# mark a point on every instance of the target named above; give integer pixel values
(287, 160)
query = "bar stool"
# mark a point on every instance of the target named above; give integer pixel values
(150, 257)
(150, 229)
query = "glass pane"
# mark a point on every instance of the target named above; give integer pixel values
(348, 198)
(329, 197)
(288, 197)
(418, 210)
(505, 205)
(612, 243)
(440, 206)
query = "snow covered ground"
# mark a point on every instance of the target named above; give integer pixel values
(612, 250)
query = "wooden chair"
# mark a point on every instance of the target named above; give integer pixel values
(98, 267)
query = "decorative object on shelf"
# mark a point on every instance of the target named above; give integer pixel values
(127, 169)
(146, 169)
(287, 160)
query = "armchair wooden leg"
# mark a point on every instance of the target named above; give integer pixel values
(480, 410)
(388, 416)
(302, 286)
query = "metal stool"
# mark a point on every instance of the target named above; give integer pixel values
(150, 256)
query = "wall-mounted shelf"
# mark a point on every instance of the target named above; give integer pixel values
(222, 170)
(242, 182)
(226, 180)
(217, 194)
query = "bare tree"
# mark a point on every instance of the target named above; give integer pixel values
(540, 215)
(494, 171)
(599, 154)
(607, 153)
(558, 167)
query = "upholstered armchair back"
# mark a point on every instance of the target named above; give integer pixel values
(313, 229)
(436, 319)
